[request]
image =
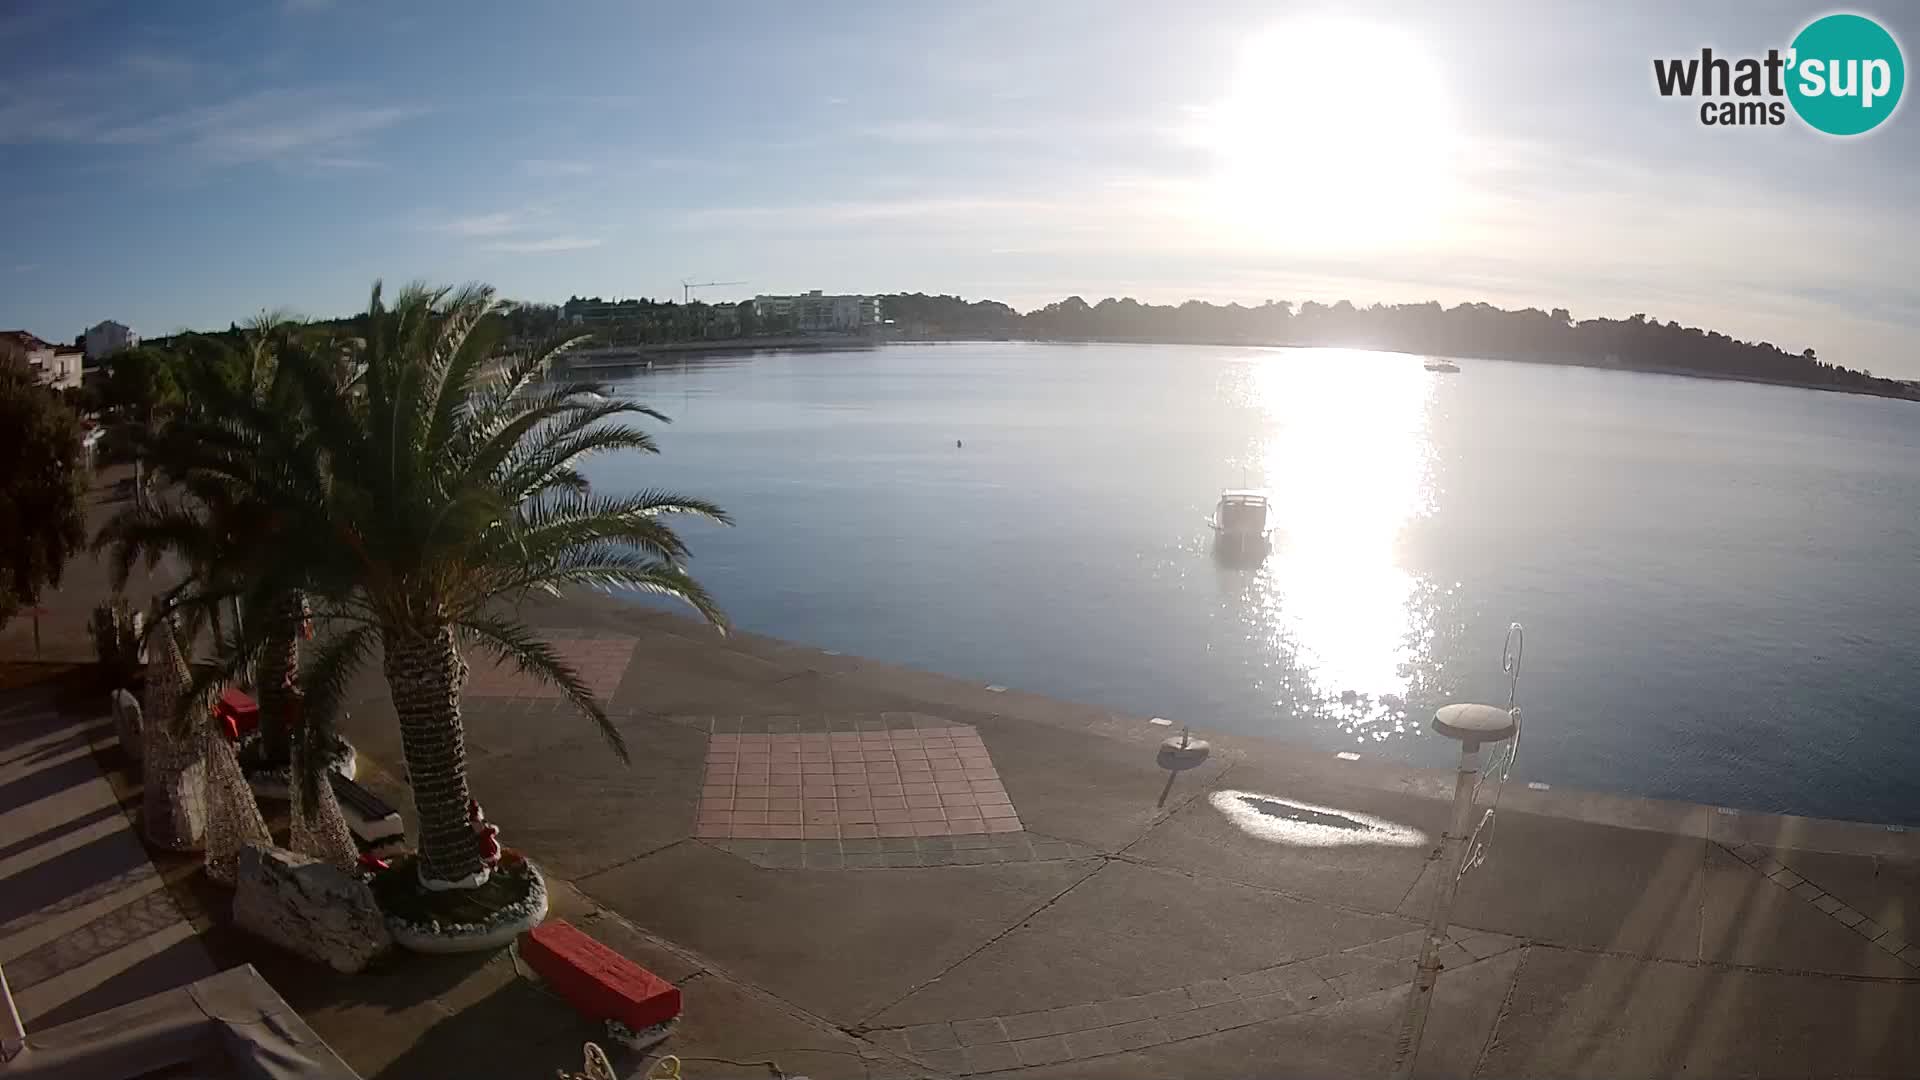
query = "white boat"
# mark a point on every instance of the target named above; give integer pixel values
(1239, 521)
(1434, 363)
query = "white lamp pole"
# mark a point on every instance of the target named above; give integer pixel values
(1474, 726)
(13, 1036)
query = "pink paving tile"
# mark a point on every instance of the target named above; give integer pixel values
(723, 739)
(813, 785)
(600, 663)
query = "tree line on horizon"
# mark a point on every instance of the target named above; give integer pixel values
(1473, 330)
(1638, 342)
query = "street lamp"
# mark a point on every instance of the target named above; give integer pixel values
(1474, 726)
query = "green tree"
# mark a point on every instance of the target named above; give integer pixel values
(42, 490)
(424, 506)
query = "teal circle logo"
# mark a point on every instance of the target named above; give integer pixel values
(1845, 74)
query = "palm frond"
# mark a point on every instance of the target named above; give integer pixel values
(509, 640)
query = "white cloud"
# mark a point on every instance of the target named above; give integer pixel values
(503, 223)
(268, 126)
(544, 246)
(550, 168)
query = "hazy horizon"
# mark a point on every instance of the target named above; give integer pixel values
(186, 168)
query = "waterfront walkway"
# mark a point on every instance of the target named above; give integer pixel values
(806, 844)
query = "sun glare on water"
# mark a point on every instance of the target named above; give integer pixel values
(1335, 133)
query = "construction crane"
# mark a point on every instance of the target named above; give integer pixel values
(687, 287)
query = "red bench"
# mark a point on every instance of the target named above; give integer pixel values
(237, 712)
(600, 983)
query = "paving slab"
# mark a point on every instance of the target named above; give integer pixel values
(842, 943)
(1104, 793)
(580, 809)
(1200, 837)
(1752, 920)
(1577, 1014)
(1134, 930)
(1349, 1038)
(1605, 887)
(1886, 890)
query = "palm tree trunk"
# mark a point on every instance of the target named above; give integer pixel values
(279, 668)
(424, 675)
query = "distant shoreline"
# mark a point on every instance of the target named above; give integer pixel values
(1910, 394)
(639, 355)
(635, 355)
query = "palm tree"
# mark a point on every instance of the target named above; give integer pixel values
(239, 414)
(430, 501)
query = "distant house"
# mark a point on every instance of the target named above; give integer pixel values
(816, 311)
(57, 366)
(108, 338)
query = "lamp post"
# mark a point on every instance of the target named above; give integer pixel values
(1474, 726)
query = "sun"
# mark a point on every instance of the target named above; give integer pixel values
(1335, 133)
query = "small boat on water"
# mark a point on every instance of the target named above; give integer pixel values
(1434, 363)
(1239, 523)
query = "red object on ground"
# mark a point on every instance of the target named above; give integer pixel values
(237, 711)
(600, 983)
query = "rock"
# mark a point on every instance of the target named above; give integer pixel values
(174, 804)
(308, 907)
(126, 724)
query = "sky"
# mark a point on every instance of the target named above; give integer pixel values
(189, 164)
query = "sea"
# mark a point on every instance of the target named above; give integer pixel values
(1718, 583)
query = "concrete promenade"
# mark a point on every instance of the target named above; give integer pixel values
(801, 843)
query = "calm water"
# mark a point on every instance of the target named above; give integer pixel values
(1720, 583)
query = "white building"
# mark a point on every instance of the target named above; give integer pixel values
(108, 338)
(57, 366)
(815, 311)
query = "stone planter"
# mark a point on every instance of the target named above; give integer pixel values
(495, 932)
(308, 907)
